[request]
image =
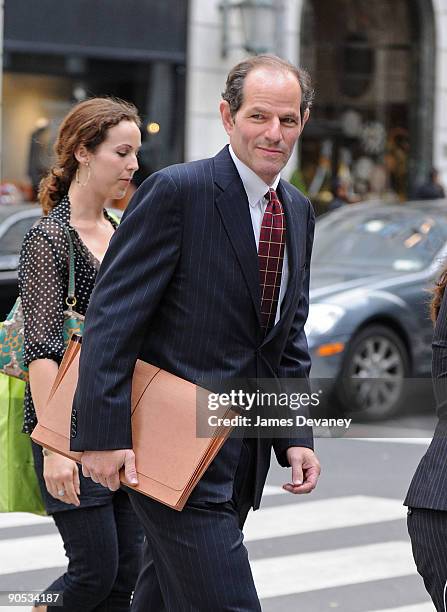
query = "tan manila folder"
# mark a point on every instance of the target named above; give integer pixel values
(170, 458)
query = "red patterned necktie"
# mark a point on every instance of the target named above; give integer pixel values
(272, 241)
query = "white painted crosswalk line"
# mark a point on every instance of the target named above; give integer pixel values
(421, 607)
(294, 519)
(272, 490)
(290, 574)
(37, 552)
(21, 519)
(420, 441)
(274, 576)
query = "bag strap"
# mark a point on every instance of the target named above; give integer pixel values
(114, 216)
(70, 300)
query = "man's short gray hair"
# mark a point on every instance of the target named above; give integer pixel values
(234, 89)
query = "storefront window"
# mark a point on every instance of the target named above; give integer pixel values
(360, 56)
(47, 68)
(33, 106)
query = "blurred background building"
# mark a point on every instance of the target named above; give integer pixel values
(56, 52)
(380, 73)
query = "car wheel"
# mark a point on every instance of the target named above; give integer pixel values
(371, 383)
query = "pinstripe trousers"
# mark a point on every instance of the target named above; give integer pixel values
(428, 533)
(195, 560)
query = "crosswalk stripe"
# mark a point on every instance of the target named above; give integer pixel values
(304, 517)
(25, 554)
(272, 490)
(19, 519)
(290, 574)
(418, 440)
(274, 576)
(421, 607)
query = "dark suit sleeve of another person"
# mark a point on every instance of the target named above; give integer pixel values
(295, 360)
(439, 364)
(134, 274)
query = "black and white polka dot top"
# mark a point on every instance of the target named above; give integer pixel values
(43, 287)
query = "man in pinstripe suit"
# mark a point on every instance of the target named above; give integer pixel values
(182, 287)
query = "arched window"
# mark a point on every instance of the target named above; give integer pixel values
(373, 68)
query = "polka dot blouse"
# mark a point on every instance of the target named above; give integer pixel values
(43, 288)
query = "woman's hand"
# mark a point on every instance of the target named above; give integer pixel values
(61, 478)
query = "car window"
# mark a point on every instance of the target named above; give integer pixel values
(404, 243)
(11, 241)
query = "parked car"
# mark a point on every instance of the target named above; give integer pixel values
(372, 268)
(15, 221)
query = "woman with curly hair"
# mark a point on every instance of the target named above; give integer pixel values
(96, 157)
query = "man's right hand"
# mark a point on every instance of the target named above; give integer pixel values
(104, 466)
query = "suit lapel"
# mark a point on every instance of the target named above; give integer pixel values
(294, 232)
(232, 204)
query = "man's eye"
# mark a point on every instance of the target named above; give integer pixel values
(257, 116)
(121, 153)
(289, 120)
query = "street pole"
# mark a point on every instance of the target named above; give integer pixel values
(280, 28)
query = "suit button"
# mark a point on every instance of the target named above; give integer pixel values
(73, 432)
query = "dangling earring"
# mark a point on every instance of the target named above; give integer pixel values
(88, 175)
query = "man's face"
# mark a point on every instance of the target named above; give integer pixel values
(266, 127)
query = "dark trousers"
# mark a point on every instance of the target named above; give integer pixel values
(195, 560)
(104, 549)
(428, 534)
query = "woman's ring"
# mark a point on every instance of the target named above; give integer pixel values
(61, 492)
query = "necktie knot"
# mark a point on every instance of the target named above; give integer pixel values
(271, 195)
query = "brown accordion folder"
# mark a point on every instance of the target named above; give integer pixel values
(170, 458)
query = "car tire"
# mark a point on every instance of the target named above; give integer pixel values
(371, 385)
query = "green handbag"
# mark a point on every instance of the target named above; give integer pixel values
(19, 489)
(11, 330)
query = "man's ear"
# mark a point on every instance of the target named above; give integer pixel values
(227, 119)
(305, 117)
(82, 155)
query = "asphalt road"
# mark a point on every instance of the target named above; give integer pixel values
(344, 547)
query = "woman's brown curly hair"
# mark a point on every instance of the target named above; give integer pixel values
(86, 124)
(437, 295)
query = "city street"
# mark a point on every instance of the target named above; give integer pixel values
(345, 547)
(271, 176)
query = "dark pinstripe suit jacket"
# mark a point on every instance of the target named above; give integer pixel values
(428, 489)
(179, 288)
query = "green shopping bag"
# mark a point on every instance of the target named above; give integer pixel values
(19, 489)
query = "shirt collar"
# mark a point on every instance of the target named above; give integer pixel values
(254, 186)
(62, 210)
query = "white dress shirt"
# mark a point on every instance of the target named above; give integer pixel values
(256, 189)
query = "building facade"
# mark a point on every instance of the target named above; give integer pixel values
(379, 68)
(380, 74)
(57, 52)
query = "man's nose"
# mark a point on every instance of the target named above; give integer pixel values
(273, 131)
